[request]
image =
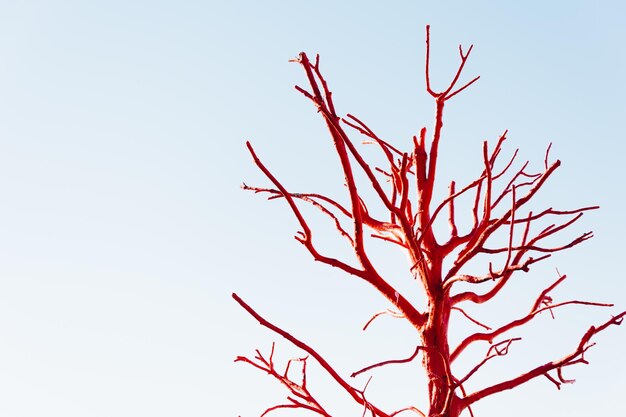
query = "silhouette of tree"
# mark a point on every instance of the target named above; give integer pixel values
(405, 189)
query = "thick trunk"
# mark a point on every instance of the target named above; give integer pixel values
(436, 360)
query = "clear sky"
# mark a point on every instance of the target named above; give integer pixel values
(123, 230)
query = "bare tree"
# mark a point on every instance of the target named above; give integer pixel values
(405, 188)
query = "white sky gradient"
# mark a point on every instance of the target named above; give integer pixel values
(123, 230)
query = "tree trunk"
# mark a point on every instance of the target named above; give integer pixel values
(436, 361)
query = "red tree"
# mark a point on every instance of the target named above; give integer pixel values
(405, 189)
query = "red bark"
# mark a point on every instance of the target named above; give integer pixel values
(500, 194)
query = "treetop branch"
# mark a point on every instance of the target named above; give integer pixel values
(447, 94)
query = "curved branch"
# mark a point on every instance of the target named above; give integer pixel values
(473, 320)
(390, 361)
(535, 310)
(381, 313)
(352, 392)
(304, 237)
(413, 409)
(311, 199)
(494, 350)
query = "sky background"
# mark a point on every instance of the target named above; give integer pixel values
(124, 231)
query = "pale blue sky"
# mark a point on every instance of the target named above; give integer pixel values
(123, 230)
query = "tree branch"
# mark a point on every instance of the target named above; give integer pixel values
(352, 392)
(390, 361)
(542, 299)
(577, 356)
